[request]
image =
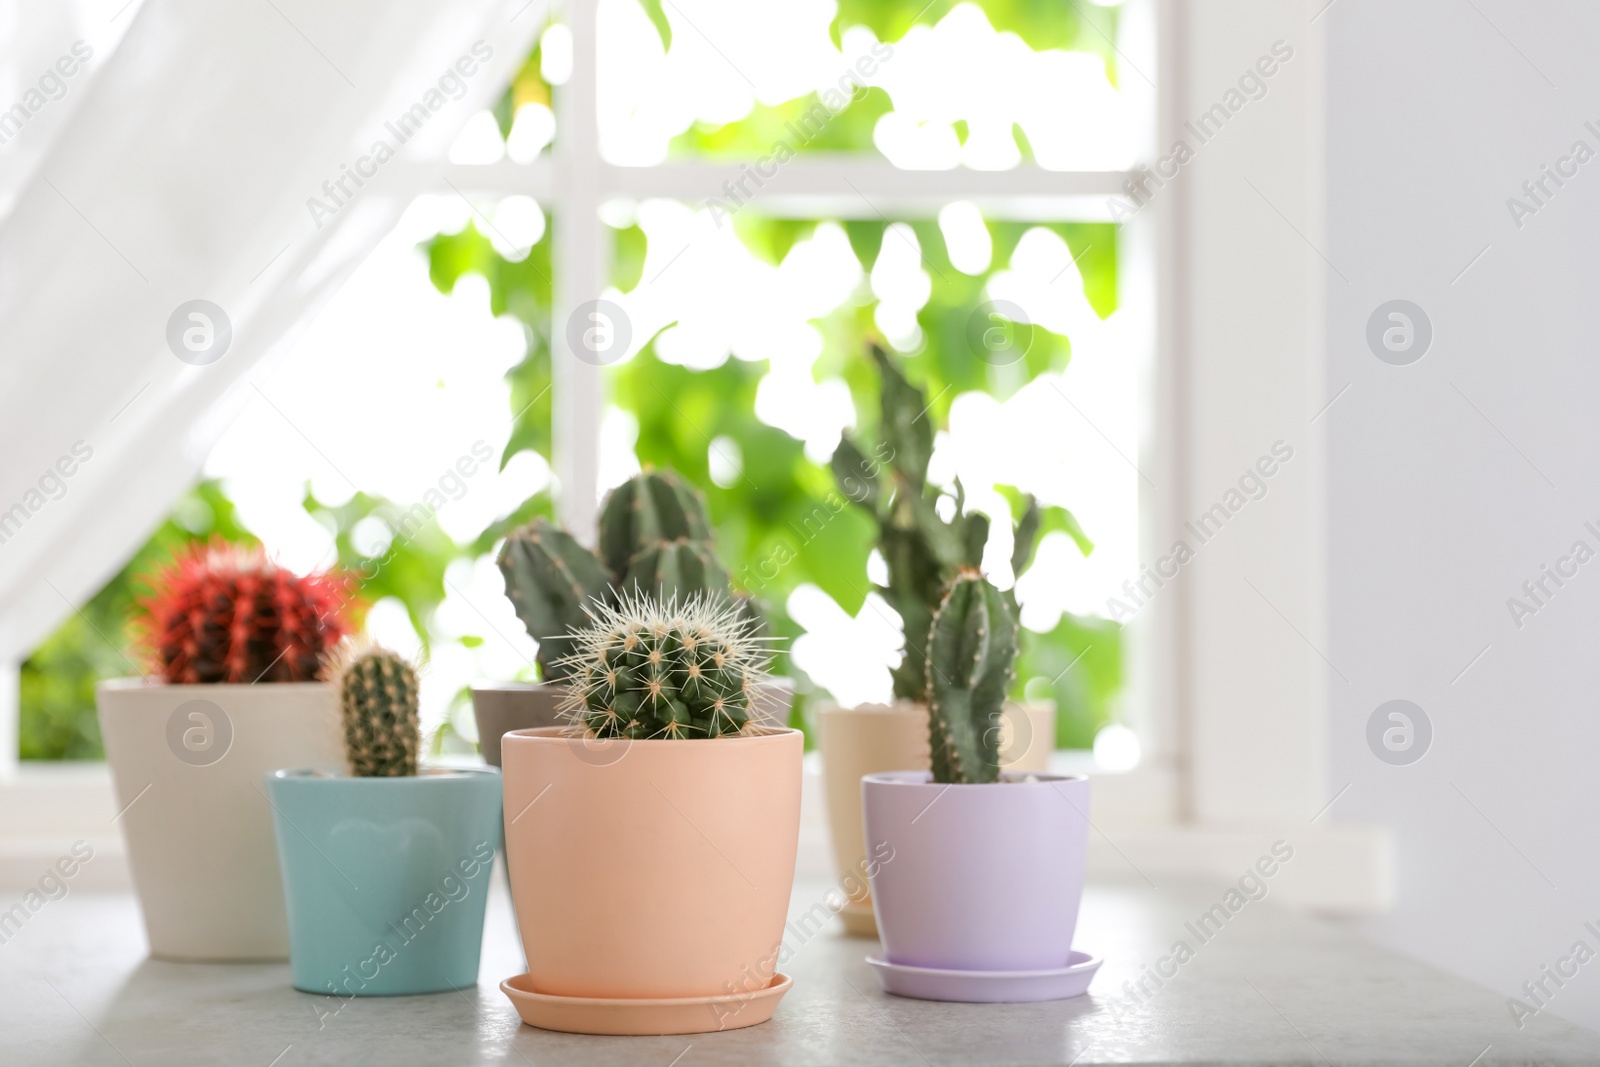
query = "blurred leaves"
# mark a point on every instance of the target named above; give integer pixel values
(658, 19)
(527, 87)
(521, 289)
(1078, 665)
(1079, 27)
(805, 124)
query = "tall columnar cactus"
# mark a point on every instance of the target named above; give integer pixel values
(972, 650)
(222, 613)
(655, 539)
(921, 550)
(378, 702)
(649, 668)
(550, 578)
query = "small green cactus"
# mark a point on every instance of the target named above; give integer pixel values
(921, 550)
(651, 668)
(972, 650)
(378, 702)
(655, 539)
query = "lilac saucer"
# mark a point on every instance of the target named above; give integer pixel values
(988, 987)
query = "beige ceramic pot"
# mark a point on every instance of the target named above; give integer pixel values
(876, 738)
(651, 869)
(188, 766)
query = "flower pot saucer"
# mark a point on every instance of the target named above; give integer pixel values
(678, 1015)
(988, 987)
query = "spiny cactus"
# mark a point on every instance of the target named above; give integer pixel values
(972, 650)
(378, 702)
(649, 668)
(222, 613)
(921, 550)
(655, 539)
(550, 578)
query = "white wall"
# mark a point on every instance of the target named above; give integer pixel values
(1440, 497)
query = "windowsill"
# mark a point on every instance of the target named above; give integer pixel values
(1228, 1002)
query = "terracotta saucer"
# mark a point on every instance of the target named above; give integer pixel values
(680, 1015)
(988, 987)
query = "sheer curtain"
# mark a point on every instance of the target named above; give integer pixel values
(242, 155)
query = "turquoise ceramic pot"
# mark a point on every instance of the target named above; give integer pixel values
(385, 878)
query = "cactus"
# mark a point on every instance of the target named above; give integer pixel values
(652, 668)
(550, 578)
(378, 702)
(222, 613)
(655, 539)
(972, 650)
(921, 550)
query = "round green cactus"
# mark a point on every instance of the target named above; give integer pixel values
(662, 669)
(378, 702)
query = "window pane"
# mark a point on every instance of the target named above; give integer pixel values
(987, 86)
(750, 363)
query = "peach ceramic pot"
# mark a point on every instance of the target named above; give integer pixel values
(651, 869)
(875, 738)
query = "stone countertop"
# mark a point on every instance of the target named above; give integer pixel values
(1269, 988)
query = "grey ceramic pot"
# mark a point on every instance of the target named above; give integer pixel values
(501, 707)
(504, 706)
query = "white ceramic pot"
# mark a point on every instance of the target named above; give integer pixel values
(188, 765)
(876, 738)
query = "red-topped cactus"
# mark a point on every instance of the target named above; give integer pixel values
(221, 613)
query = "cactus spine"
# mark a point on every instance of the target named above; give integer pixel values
(921, 550)
(378, 702)
(649, 668)
(972, 650)
(655, 539)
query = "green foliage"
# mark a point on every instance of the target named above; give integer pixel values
(1041, 24)
(1077, 665)
(521, 289)
(972, 648)
(664, 669)
(658, 18)
(378, 703)
(804, 124)
(96, 641)
(410, 567)
(527, 87)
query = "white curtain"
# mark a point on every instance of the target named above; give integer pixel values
(178, 162)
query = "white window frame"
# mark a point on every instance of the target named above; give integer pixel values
(1234, 756)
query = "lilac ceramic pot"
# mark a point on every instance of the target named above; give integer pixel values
(976, 877)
